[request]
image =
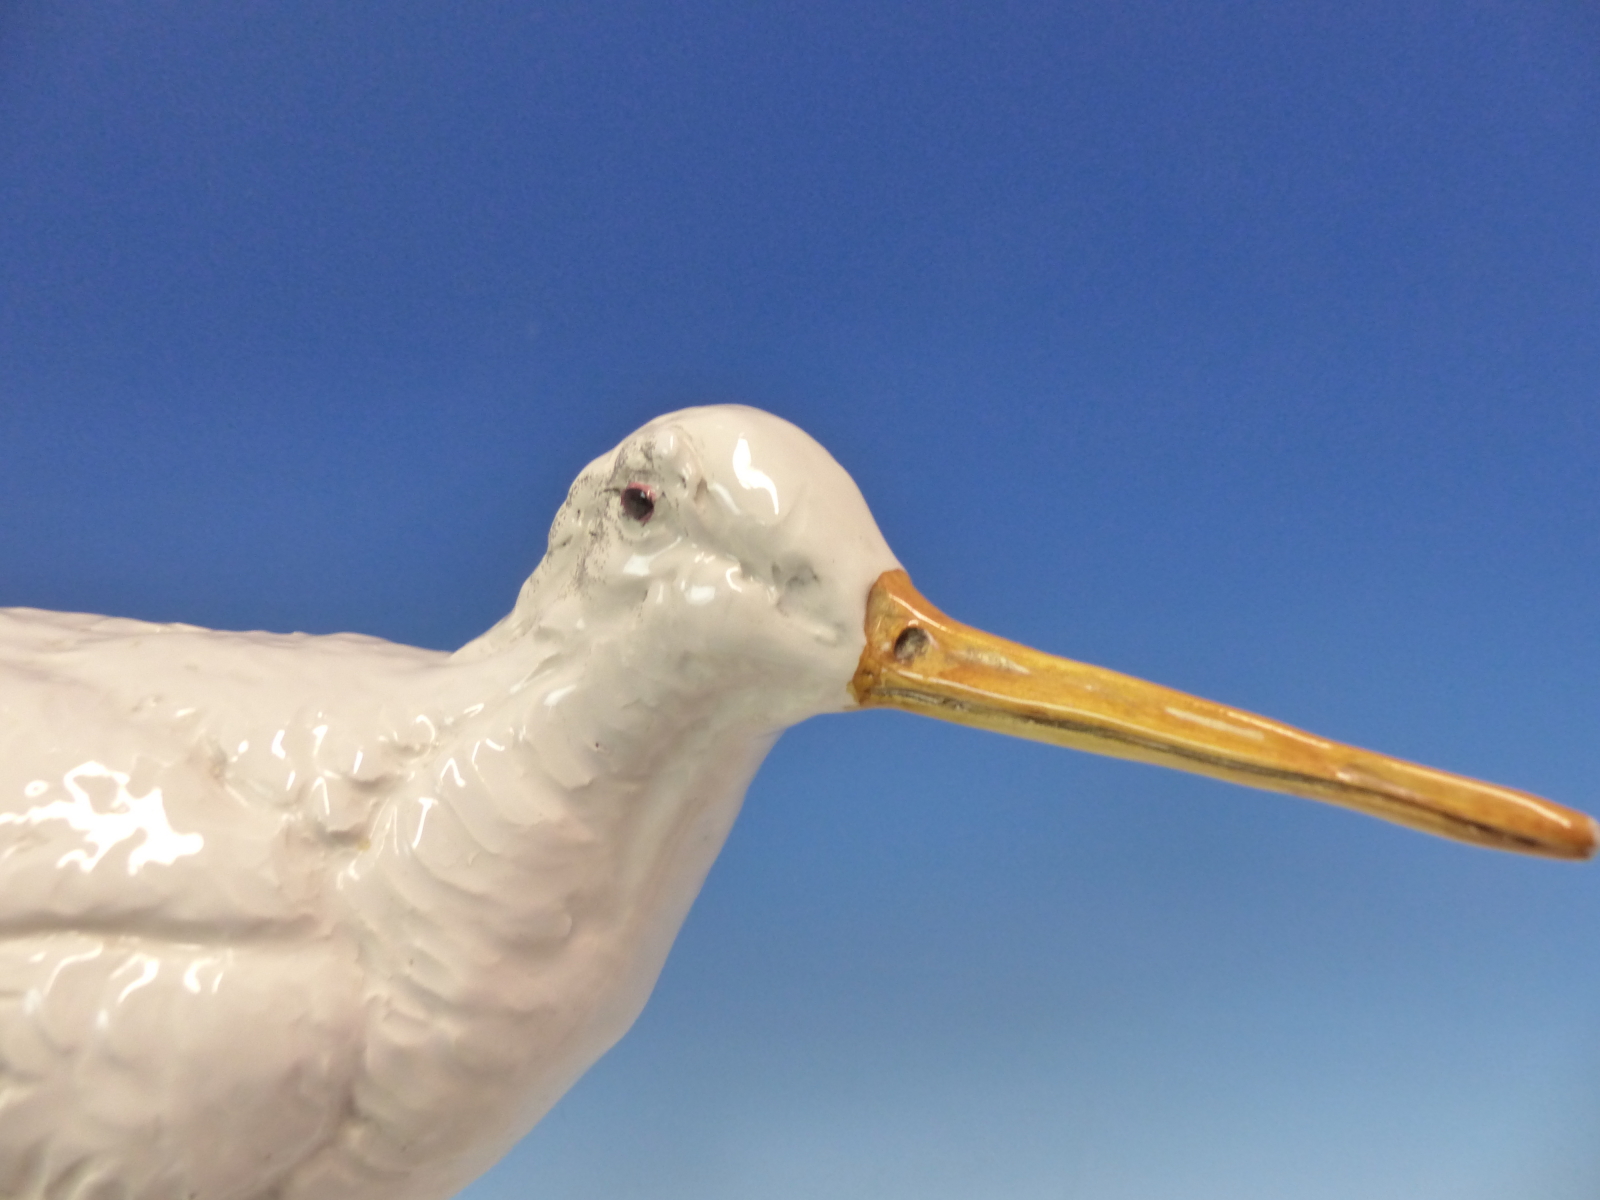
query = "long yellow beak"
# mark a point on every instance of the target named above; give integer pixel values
(920, 660)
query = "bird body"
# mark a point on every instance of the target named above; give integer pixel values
(331, 917)
(327, 918)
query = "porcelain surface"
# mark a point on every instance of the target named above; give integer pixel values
(327, 917)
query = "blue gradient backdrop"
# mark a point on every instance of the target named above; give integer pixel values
(1250, 347)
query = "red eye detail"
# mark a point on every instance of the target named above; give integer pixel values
(639, 502)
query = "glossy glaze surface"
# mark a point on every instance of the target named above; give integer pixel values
(324, 917)
(329, 917)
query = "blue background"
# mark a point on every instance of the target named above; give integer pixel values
(1250, 347)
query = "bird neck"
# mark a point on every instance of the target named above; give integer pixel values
(543, 861)
(581, 781)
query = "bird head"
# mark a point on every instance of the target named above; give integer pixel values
(721, 544)
(724, 547)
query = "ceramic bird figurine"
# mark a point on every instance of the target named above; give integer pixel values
(327, 918)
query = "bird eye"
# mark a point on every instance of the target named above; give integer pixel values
(639, 502)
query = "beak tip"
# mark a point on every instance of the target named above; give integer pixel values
(1589, 838)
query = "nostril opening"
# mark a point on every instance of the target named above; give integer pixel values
(911, 643)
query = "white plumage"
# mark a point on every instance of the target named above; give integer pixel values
(330, 917)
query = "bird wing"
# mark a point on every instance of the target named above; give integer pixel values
(166, 779)
(180, 1009)
(116, 815)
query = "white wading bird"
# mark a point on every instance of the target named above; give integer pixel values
(324, 917)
